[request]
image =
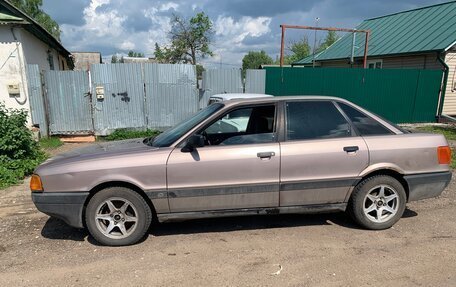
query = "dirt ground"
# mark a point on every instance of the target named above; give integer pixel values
(310, 250)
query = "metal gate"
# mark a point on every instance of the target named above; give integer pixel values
(122, 103)
(67, 94)
(35, 91)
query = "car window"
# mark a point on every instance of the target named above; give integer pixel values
(364, 124)
(247, 125)
(315, 120)
(171, 135)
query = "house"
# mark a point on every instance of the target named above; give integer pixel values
(422, 38)
(83, 60)
(23, 42)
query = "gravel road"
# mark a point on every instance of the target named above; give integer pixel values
(280, 250)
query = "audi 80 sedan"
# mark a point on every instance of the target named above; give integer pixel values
(293, 155)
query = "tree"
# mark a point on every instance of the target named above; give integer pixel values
(190, 40)
(199, 71)
(331, 37)
(115, 59)
(299, 50)
(255, 59)
(33, 9)
(135, 54)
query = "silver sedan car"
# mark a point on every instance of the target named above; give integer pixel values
(243, 157)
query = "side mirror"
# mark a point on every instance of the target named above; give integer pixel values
(193, 142)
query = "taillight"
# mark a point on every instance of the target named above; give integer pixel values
(444, 154)
(35, 183)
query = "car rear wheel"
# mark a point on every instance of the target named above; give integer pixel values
(377, 202)
(118, 216)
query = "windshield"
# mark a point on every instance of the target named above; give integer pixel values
(173, 134)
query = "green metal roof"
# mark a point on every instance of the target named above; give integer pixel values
(426, 29)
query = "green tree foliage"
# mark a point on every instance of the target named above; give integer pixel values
(330, 38)
(299, 50)
(19, 153)
(190, 40)
(135, 54)
(34, 10)
(116, 59)
(255, 59)
(199, 71)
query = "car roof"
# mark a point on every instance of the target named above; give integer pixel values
(282, 98)
(232, 96)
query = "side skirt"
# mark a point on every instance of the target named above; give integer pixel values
(306, 209)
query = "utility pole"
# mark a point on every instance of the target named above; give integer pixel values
(315, 42)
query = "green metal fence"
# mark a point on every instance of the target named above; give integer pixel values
(400, 95)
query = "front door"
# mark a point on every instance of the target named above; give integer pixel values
(237, 168)
(321, 155)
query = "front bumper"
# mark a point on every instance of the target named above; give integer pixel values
(67, 206)
(427, 185)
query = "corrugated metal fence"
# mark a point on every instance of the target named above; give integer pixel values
(37, 105)
(400, 95)
(132, 95)
(255, 81)
(220, 81)
(68, 101)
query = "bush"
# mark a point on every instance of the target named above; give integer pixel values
(19, 153)
(123, 134)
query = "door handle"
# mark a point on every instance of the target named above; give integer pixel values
(266, 154)
(351, 149)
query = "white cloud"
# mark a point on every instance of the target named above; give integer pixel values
(127, 45)
(169, 6)
(108, 28)
(238, 30)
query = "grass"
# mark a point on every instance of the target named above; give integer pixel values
(123, 134)
(50, 143)
(450, 134)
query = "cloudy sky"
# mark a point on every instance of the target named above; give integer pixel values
(117, 26)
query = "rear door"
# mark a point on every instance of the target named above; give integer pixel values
(321, 156)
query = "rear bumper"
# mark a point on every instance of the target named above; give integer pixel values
(63, 205)
(427, 185)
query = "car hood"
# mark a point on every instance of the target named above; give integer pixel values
(100, 150)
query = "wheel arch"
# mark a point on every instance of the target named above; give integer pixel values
(125, 184)
(389, 172)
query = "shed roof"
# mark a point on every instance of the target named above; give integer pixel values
(426, 29)
(9, 14)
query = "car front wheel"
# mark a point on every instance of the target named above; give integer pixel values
(118, 216)
(377, 202)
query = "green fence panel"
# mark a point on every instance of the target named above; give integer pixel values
(400, 95)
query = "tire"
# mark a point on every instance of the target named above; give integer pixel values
(375, 209)
(118, 216)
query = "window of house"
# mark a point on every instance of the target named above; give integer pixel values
(308, 120)
(51, 60)
(375, 64)
(364, 124)
(247, 125)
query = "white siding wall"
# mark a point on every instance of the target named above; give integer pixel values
(36, 52)
(12, 70)
(424, 61)
(449, 104)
